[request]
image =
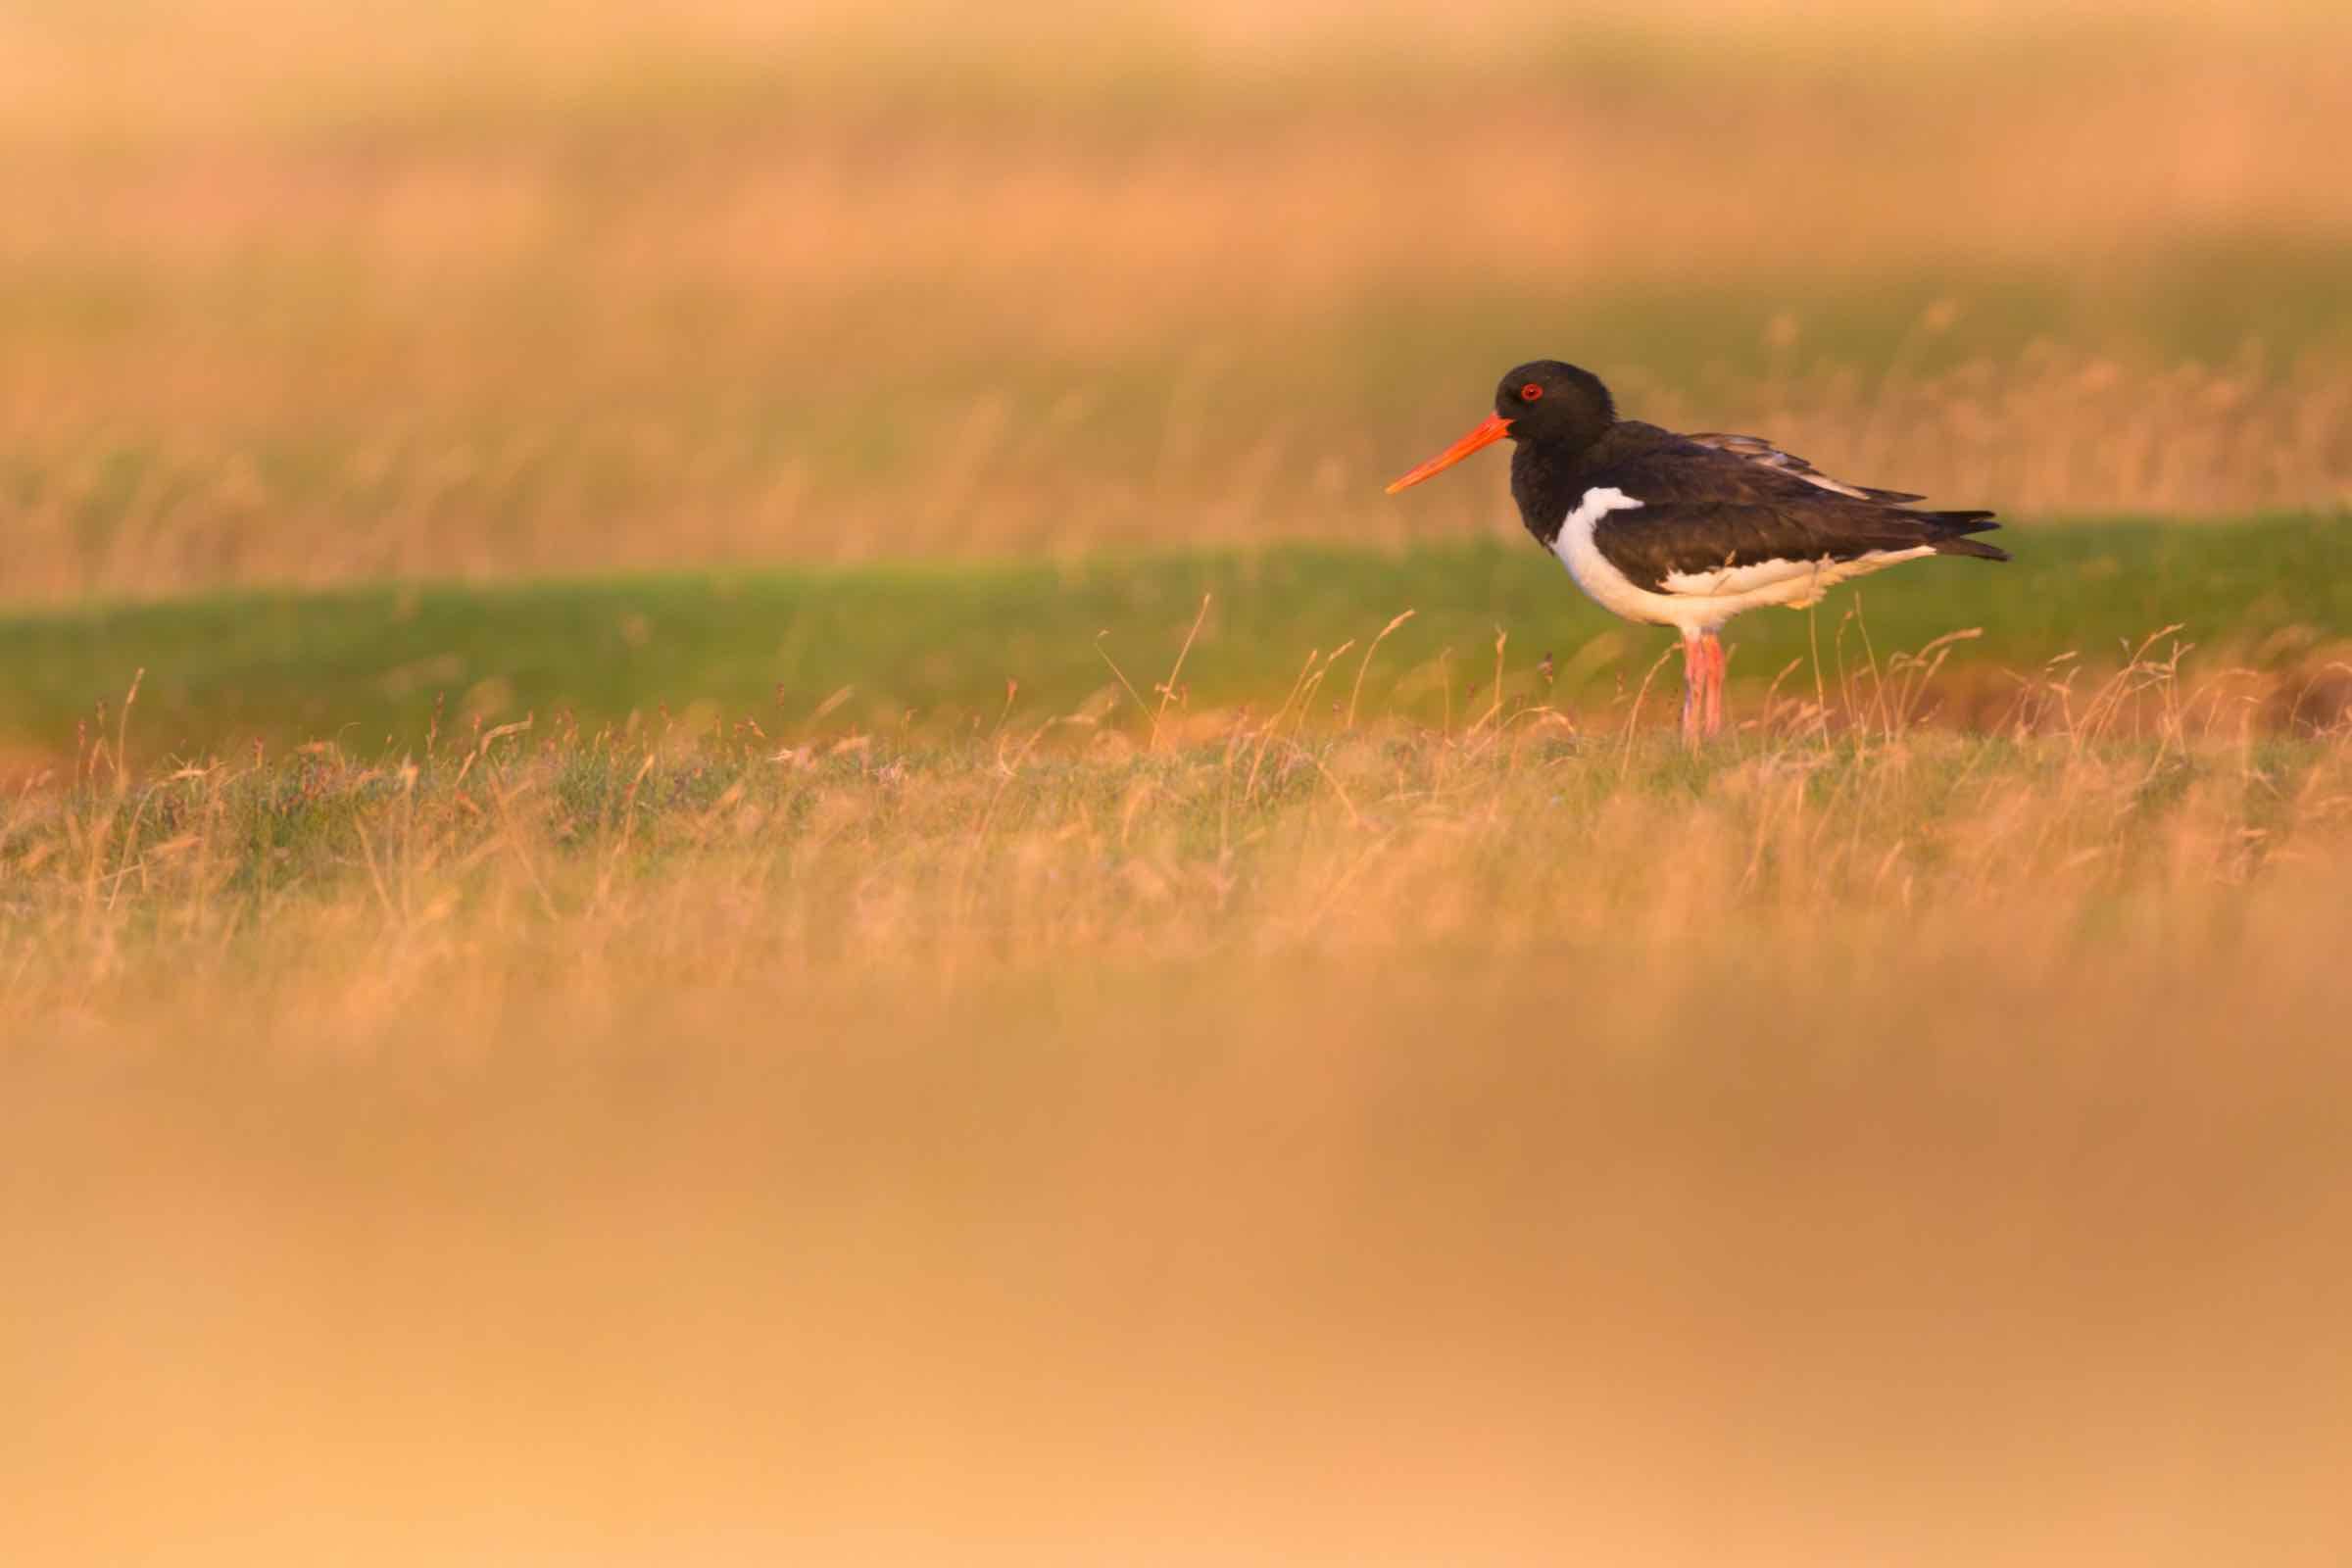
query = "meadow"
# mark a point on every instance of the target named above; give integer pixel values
(731, 828)
(1256, 1147)
(1435, 635)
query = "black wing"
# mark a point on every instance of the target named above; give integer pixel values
(1705, 509)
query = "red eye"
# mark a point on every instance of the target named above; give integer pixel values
(1530, 392)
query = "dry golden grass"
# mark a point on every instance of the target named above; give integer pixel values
(472, 295)
(1280, 1146)
(707, 860)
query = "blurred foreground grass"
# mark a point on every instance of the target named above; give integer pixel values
(1916, 1146)
(495, 291)
(942, 647)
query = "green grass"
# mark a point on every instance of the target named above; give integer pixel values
(938, 644)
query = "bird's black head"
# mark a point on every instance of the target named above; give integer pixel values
(1553, 403)
(1544, 400)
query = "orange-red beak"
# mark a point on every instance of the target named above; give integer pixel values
(1492, 431)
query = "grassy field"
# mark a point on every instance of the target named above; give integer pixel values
(991, 1149)
(732, 830)
(945, 649)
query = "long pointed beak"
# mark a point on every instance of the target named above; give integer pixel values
(1487, 434)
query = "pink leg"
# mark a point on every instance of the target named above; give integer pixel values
(1723, 664)
(1695, 665)
(1715, 667)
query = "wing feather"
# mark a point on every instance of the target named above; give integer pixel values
(1762, 453)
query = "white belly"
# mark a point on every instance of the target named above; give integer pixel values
(1698, 602)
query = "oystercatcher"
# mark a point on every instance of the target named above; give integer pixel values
(1689, 531)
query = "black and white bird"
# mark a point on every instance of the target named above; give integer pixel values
(1689, 531)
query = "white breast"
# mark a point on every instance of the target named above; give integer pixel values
(1601, 583)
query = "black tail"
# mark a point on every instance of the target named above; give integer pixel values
(1952, 528)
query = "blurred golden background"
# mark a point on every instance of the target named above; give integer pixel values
(294, 294)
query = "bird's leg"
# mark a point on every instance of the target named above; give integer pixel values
(1694, 680)
(1715, 665)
